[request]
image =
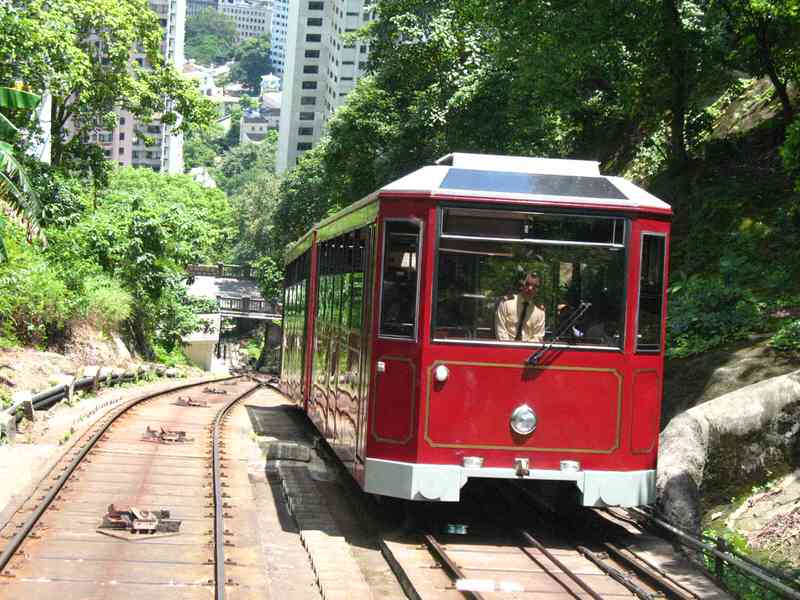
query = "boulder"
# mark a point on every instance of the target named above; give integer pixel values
(727, 443)
(160, 370)
(172, 372)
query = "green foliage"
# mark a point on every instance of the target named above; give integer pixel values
(790, 152)
(35, 304)
(787, 339)
(107, 303)
(705, 312)
(203, 147)
(210, 37)
(269, 273)
(251, 61)
(173, 357)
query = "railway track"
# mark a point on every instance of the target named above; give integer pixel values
(518, 550)
(148, 502)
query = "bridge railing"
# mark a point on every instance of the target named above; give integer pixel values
(223, 270)
(247, 305)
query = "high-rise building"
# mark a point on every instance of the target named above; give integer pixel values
(195, 7)
(278, 31)
(322, 67)
(252, 17)
(150, 144)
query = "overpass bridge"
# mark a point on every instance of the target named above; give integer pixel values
(235, 289)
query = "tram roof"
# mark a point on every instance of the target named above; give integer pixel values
(540, 180)
(572, 183)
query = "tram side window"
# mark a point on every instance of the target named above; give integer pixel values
(651, 293)
(399, 287)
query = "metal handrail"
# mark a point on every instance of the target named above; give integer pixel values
(767, 577)
(47, 398)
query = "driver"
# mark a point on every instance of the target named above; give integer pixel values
(518, 318)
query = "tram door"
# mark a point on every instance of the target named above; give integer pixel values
(396, 357)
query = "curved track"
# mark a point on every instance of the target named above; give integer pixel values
(61, 544)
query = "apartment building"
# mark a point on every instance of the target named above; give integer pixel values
(322, 67)
(149, 144)
(194, 7)
(252, 17)
(279, 30)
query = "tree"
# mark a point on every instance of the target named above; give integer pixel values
(251, 61)
(18, 202)
(80, 52)
(210, 37)
(765, 36)
(147, 227)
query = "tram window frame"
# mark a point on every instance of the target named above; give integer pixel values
(657, 346)
(620, 239)
(418, 223)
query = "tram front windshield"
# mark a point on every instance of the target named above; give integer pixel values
(486, 255)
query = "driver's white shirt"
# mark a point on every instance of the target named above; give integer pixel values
(509, 312)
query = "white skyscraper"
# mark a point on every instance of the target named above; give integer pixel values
(278, 31)
(321, 68)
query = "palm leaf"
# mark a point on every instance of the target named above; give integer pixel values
(17, 199)
(13, 98)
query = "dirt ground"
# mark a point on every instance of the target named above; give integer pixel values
(37, 370)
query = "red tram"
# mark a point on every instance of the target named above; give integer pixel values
(400, 339)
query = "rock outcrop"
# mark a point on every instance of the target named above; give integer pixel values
(727, 442)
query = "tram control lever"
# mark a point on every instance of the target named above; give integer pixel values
(534, 358)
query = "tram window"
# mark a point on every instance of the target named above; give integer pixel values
(399, 287)
(651, 293)
(476, 274)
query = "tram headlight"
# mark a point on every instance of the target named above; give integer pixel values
(523, 420)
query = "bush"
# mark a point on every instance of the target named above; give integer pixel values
(35, 304)
(788, 338)
(171, 358)
(705, 313)
(107, 303)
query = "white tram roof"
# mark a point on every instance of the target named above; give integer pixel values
(574, 182)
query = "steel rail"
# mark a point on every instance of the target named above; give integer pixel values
(452, 569)
(617, 575)
(755, 572)
(651, 573)
(564, 569)
(219, 521)
(27, 526)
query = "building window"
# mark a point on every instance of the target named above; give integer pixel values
(306, 116)
(310, 69)
(314, 21)
(347, 62)
(308, 100)
(312, 53)
(313, 37)
(122, 120)
(305, 131)
(309, 85)
(121, 135)
(121, 151)
(347, 79)
(304, 146)
(316, 5)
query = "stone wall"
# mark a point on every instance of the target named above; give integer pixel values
(727, 443)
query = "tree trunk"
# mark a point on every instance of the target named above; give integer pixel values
(677, 53)
(139, 338)
(768, 64)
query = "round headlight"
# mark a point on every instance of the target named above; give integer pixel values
(523, 420)
(441, 373)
